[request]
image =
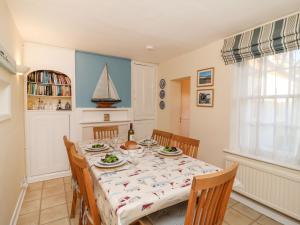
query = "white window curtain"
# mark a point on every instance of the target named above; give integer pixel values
(266, 108)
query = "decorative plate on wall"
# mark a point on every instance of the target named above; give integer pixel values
(162, 94)
(162, 105)
(162, 83)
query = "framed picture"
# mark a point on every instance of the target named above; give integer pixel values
(205, 77)
(106, 117)
(205, 98)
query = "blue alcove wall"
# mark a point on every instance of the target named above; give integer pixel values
(88, 70)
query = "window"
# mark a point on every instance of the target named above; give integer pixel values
(266, 108)
(5, 99)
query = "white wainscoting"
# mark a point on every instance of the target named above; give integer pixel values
(274, 186)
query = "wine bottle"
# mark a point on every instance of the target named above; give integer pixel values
(130, 133)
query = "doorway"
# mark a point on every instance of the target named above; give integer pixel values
(180, 102)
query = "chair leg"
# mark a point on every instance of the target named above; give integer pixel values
(82, 206)
(73, 208)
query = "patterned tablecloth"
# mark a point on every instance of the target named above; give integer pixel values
(129, 192)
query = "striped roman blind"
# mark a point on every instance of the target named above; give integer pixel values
(276, 37)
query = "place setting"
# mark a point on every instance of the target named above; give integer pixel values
(170, 151)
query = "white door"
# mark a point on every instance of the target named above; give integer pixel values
(47, 153)
(144, 80)
(143, 129)
(144, 99)
(185, 107)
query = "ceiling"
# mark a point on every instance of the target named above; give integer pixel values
(124, 27)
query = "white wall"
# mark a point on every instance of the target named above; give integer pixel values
(209, 125)
(12, 160)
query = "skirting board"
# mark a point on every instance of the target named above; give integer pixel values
(264, 210)
(48, 176)
(15, 216)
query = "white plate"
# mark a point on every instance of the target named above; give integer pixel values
(143, 142)
(120, 162)
(90, 148)
(179, 152)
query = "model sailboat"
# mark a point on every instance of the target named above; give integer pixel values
(105, 93)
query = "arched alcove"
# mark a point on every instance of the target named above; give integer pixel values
(48, 90)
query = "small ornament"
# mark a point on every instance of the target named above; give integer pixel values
(162, 83)
(58, 107)
(162, 94)
(67, 106)
(162, 105)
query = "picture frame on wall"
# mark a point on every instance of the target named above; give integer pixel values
(205, 98)
(205, 77)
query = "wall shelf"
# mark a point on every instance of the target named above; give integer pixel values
(48, 96)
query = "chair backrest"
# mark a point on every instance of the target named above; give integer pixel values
(105, 132)
(85, 183)
(209, 197)
(162, 137)
(68, 145)
(189, 146)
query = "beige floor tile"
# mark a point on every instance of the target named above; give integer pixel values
(75, 221)
(264, 220)
(231, 202)
(33, 195)
(246, 211)
(67, 180)
(51, 191)
(30, 206)
(53, 183)
(29, 219)
(53, 201)
(68, 187)
(35, 186)
(53, 214)
(233, 217)
(64, 221)
(69, 196)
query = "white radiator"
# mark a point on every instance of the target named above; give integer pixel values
(271, 185)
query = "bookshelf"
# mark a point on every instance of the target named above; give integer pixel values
(49, 90)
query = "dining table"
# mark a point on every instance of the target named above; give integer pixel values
(149, 183)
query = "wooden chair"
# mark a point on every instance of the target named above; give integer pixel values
(105, 132)
(162, 137)
(189, 146)
(90, 209)
(68, 145)
(207, 203)
(85, 181)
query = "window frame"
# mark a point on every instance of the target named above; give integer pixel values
(5, 100)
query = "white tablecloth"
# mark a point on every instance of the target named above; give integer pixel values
(129, 192)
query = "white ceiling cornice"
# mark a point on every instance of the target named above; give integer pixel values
(124, 27)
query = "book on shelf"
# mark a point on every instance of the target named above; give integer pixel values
(48, 77)
(48, 90)
(48, 83)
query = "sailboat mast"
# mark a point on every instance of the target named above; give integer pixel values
(107, 80)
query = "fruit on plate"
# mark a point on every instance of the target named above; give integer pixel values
(97, 146)
(110, 158)
(170, 149)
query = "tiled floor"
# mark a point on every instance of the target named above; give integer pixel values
(49, 203)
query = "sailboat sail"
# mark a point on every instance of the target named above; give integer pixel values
(105, 88)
